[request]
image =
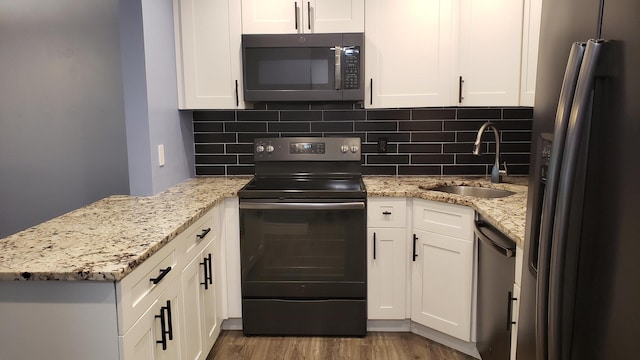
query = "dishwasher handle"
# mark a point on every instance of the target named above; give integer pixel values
(497, 241)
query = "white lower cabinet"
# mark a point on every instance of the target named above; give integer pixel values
(201, 319)
(442, 282)
(387, 277)
(386, 258)
(156, 334)
(442, 267)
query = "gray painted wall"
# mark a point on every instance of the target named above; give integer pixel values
(151, 100)
(62, 124)
(87, 92)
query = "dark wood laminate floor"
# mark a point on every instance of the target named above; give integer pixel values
(232, 345)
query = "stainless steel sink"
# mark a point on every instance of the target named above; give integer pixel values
(476, 191)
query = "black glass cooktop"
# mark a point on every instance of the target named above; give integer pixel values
(301, 186)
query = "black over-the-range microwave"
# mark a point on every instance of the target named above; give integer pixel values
(303, 67)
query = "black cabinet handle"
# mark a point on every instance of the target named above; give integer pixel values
(460, 98)
(166, 325)
(295, 13)
(237, 97)
(163, 273)
(386, 213)
(371, 91)
(163, 329)
(374, 246)
(510, 300)
(206, 273)
(168, 308)
(203, 233)
(415, 243)
(210, 270)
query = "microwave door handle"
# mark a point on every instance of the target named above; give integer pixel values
(338, 67)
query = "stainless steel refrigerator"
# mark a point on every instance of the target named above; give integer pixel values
(580, 294)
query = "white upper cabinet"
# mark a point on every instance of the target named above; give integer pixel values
(297, 16)
(408, 53)
(530, 40)
(208, 53)
(489, 53)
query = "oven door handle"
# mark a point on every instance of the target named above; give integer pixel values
(302, 206)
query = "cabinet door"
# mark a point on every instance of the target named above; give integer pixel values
(441, 283)
(408, 53)
(386, 273)
(145, 338)
(328, 16)
(208, 56)
(193, 278)
(272, 16)
(212, 317)
(489, 52)
(530, 41)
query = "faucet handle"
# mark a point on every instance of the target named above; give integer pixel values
(504, 172)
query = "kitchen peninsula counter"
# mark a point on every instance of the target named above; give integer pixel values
(106, 240)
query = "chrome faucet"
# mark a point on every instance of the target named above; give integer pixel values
(496, 173)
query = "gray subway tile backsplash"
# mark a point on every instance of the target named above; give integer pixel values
(421, 141)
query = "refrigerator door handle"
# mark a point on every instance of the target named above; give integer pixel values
(550, 195)
(579, 122)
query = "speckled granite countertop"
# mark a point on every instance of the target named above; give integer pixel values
(106, 240)
(507, 214)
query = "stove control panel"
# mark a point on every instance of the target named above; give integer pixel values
(307, 149)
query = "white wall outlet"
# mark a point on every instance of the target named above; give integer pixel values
(161, 154)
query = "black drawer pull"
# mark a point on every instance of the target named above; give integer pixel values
(386, 213)
(163, 273)
(204, 233)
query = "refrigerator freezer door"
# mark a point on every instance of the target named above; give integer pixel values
(551, 191)
(576, 139)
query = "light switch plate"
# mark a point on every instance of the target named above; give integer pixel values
(161, 154)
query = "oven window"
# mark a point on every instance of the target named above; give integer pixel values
(289, 68)
(303, 245)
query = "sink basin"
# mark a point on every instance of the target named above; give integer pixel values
(476, 191)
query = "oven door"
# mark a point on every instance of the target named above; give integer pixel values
(303, 250)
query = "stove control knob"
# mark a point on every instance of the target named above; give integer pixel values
(354, 148)
(344, 148)
(270, 149)
(260, 149)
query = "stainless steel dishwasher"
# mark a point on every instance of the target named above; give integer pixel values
(496, 273)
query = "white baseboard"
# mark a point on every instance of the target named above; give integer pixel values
(389, 325)
(444, 339)
(232, 324)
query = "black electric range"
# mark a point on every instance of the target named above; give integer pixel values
(303, 239)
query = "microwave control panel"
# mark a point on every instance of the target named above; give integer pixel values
(351, 67)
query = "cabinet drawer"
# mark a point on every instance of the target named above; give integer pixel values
(387, 212)
(199, 234)
(140, 289)
(442, 218)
